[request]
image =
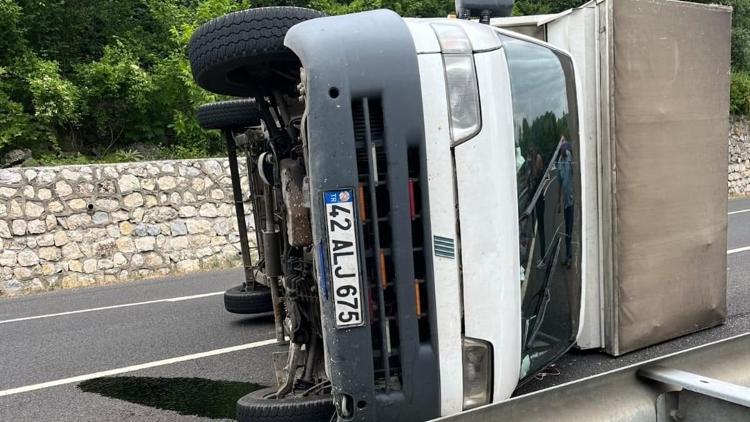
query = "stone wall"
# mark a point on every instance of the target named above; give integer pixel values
(75, 226)
(739, 157)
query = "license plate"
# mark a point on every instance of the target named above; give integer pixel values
(343, 258)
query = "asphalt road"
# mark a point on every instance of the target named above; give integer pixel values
(40, 350)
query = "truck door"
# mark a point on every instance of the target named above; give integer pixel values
(549, 191)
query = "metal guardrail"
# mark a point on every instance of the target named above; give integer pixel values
(705, 383)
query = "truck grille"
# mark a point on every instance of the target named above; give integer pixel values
(377, 216)
(418, 239)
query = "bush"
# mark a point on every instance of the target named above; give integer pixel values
(11, 41)
(88, 81)
(740, 93)
(56, 100)
(14, 123)
(116, 92)
(17, 128)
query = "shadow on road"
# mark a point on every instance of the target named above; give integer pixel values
(254, 319)
(187, 396)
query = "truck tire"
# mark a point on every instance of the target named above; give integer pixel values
(230, 52)
(256, 407)
(232, 114)
(238, 300)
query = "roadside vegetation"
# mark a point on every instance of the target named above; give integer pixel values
(109, 81)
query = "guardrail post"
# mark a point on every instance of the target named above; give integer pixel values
(698, 398)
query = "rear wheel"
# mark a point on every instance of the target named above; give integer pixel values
(261, 406)
(233, 114)
(229, 54)
(241, 300)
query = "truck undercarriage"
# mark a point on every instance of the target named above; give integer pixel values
(267, 131)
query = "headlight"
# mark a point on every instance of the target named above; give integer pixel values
(477, 365)
(461, 81)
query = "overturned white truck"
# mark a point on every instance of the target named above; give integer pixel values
(421, 191)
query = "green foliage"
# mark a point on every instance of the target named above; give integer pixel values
(741, 35)
(116, 95)
(16, 126)
(55, 100)
(740, 93)
(84, 80)
(125, 156)
(541, 7)
(14, 123)
(53, 159)
(419, 8)
(741, 48)
(12, 35)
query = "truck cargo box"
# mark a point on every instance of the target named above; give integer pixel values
(655, 78)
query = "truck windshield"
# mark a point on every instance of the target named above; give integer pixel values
(548, 183)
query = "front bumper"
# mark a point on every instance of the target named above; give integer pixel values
(365, 132)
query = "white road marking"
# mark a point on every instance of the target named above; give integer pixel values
(738, 250)
(180, 299)
(737, 212)
(104, 308)
(132, 368)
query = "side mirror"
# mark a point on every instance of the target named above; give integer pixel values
(485, 9)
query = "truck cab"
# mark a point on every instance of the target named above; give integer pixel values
(440, 165)
(449, 139)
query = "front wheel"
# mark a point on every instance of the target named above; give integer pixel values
(231, 53)
(261, 406)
